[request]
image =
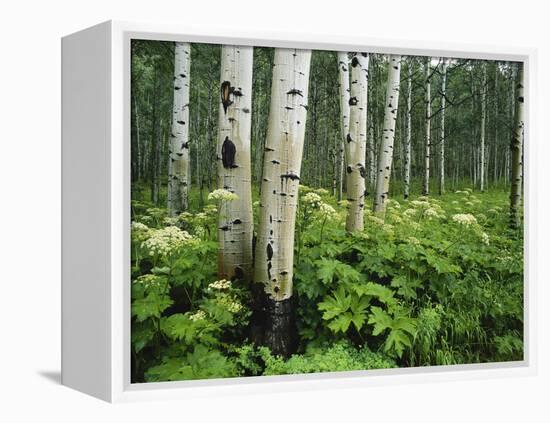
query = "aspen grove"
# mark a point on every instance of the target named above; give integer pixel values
(301, 211)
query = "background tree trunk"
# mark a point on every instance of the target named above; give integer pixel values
(178, 161)
(517, 148)
(482, 129)
(409, 132)
(343, 73)
(356, 142)
(427, 139)
(235, 227)
(385, 155)
(274, 254)
(442, 129)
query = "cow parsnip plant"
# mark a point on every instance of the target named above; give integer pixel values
(438, 281)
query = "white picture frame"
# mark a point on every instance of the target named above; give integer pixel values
(96, 225)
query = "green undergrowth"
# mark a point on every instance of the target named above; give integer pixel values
(438, 281)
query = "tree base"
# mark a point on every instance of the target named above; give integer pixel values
(273, 325)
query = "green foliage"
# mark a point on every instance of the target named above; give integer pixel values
(340, 356)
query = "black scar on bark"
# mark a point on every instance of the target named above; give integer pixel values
(295, 91)
(185, 145)
(237, 221)
(364, 54)
(353, 101)
(181, 122)
(226, 91)
(183, 75)
(245, 110)
(349, 169)
(225, 228)
(228, 153)
(237, 93)
(177, 88)
(362, 171)
(348, 138)
(521, 99)
(275, 162)
(291, 176)
(269, 251)
(354, 61)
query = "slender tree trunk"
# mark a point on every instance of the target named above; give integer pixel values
(427, 141)
(516, 149)
(385, 155)
(139, 148)
(356, 142)
(343, 73)
(482, 129)
(442, 129)
(178, 157)
(274, 254)
(409, 132)
(234, 170)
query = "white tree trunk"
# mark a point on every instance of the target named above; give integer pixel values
(356, 143)
(274, 256)
(409, 132)
(442, 129)
(385, 155)
(235, 227)
(517, 149)
(427, 140)
(178, 161)
(483, 117)
(343, 73)
(274, 253)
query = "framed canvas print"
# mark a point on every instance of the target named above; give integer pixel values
(262, 212)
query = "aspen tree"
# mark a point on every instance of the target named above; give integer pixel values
(482, 129)
(178, 161)
(517, 148)
(427, 140)
(344, 89)
(274, 253)
(235, 228)
(409, 132)
(356, 143)
(385, 155)
(442, 129)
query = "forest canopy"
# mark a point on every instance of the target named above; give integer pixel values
(298, 211)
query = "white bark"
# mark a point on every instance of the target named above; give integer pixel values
(483, 118)
(235, 227)
(427, 140)
(343, 73)
(442, 129)
(517, 149)
(273, 266)
(356, 143)
(409, 132)
(178, 165)
(385, 155)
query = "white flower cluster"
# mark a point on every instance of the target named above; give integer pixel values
(393, 204)
(231, 304)
(219, 285)
(485, 238)
(409, 213)
(321, 191)
(198, 315)
(148, 281)
(170, 221)
(312, 198)
(140, 231)
(327, 211)
(222, 195)
(413, 240)
(464, 219)
(166, 240)
(375, 219)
